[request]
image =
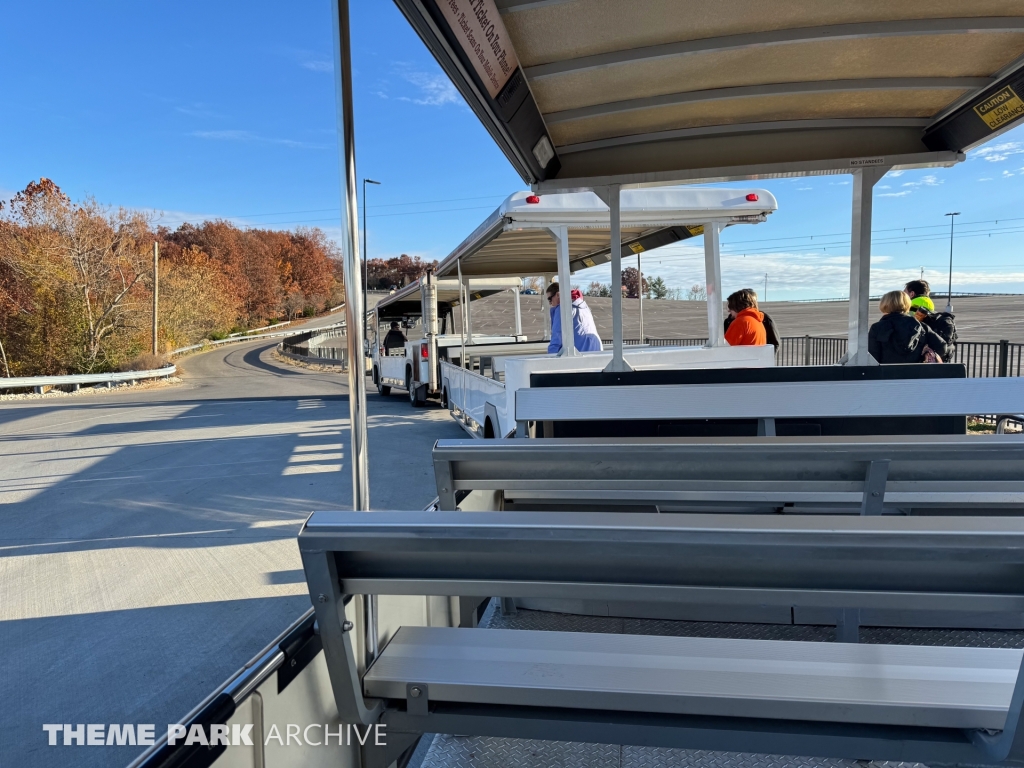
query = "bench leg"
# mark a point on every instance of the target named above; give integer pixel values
(508, 607)
(848, 625)
(766, 427)
(874, 487)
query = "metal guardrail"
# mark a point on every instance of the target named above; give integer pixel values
(307, 344)
(77, 380)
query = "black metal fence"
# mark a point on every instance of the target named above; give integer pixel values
(987, 359)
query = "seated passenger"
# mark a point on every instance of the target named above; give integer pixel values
(899, 337)
(747, 326)
(584, 331)
(394, 339)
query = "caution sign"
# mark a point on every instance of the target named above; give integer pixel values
(1000, 108)
(696, 230)
(636, 247)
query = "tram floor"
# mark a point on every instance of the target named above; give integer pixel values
(448, 751)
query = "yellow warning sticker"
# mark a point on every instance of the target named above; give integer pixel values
(697, 230)
(588, 261)
(636, 248)
(1000, 108)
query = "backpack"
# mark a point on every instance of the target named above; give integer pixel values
(771, 332)
(943, 324)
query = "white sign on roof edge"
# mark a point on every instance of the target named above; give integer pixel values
(479, 29)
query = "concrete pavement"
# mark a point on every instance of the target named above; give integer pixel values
(147, 539)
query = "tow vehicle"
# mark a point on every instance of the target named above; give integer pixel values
(425, 309)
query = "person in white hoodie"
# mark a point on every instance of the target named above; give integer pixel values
(584, 331)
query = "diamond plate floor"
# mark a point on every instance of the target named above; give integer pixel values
(480, 752)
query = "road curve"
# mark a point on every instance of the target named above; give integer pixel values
(147, 538)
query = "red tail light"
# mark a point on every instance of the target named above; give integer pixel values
(424, 351)
(752, 198)
(533, 199)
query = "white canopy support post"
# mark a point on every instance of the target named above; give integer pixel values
(713, 284)
(610, 196)
(469, 315)
(561, 237)
(640, 295)
(864, 180)
(462, 313)
(547, 279)
(519, 312)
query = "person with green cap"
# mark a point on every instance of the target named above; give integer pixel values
(923, 308)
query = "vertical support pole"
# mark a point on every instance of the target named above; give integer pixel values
(462, 312)
(156, 296)
(561, 236)
(519, 312)
(548, 279)
(371, 641)
(1004, 356)
(351, 258)
(612, 198)
(640, 296)
(807, 349)
(864, 180)
(713, 281)
(469, 315)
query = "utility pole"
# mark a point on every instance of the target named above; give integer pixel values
(949, 295)
(766, 286)
(156, 295)
(366, 272)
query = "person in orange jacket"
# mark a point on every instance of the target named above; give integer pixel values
(747, 326)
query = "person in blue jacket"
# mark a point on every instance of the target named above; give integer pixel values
(583, 329)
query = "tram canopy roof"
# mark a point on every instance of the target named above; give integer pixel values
(514, 240)
(406, 301)
(579, 93)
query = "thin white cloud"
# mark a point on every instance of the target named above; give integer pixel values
(987, 178)
(435, 90)
(904, 193)
(925, 181)
(895, 174)
(997, 153)
(318, 65)
(253, 138)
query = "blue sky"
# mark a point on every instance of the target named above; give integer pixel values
(205, 110)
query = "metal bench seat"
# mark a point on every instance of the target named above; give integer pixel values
(948, 474)
(936, 704)
(839, 682)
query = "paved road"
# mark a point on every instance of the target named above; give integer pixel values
(147, 539)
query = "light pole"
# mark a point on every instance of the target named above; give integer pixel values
(366, 269)
(766, 286)
(949, 294)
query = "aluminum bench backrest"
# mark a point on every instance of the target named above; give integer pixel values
(918, 473)
(807, 399)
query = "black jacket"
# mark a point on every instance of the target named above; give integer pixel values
(900, 338)
(395, 338)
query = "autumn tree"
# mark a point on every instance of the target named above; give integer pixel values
(631, 282)
(697, 292)
(384, 274)
(85, 264)
(196, 299)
